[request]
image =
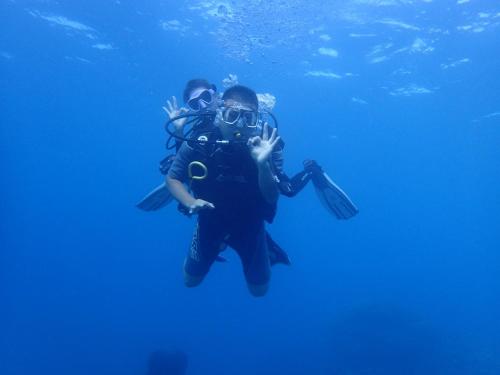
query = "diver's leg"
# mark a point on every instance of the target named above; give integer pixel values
(251, 245)
(299, 182)
(205, 246)
(258, 290)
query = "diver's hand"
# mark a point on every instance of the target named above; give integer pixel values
(198, 205)
(262, 148)
(173, 110)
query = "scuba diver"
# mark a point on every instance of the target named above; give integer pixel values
(200, 95)
(201, 100)
(230, 169)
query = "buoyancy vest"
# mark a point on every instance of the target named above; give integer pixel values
(231, 181)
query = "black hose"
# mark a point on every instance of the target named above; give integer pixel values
(198, 119)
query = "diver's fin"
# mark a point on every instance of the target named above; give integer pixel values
(276, 253)
(221, 259)
(222, 247)
(333, 197)
(156, 199)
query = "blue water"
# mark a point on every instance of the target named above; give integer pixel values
(399, 101)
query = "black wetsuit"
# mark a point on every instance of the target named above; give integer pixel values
(240, 210)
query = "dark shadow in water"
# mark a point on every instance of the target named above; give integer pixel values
(383, 340)
(167, 362)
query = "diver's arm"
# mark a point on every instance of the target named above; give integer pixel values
(173, 110)
(174, 181)
(267, 183)
(178, 142)
(179, 192)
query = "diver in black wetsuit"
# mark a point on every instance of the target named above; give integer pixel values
(202, 102)
(230, 169)
(198, 95)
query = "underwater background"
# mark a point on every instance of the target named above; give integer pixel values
(399, 101)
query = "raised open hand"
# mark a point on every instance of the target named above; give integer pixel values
(173, 111)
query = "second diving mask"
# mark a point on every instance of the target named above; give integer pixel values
(201, 99)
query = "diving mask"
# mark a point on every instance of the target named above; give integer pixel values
(201, 99)
(240, 117)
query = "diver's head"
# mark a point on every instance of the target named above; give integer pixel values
(239, 114)
(199, 94)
